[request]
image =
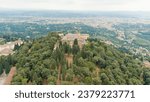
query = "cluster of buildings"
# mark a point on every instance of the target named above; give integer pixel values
(69, 38)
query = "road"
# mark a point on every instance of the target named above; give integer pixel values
(10, 76)
(6, 79)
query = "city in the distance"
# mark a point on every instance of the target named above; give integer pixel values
(49, 46)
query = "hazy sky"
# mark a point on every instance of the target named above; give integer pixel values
(101, 5)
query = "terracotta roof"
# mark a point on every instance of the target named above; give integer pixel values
(75, 36)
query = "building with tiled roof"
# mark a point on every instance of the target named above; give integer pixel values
(69, 38)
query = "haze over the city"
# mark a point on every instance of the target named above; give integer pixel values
(96, 5)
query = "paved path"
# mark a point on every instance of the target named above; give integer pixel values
(3, 78)
(10, 76)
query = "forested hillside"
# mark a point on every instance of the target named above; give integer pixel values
(45, 61)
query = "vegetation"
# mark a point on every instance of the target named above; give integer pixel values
(146, 76)
(134, 36)
(11, 31)
(2, 41)
(6, 62)
(43, 61)
(36, 63)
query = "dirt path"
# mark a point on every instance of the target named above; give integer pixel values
(97, 71)
(10, 76)
(59, 76)
(69, 59)
(3, 78)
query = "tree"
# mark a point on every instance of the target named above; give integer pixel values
(75, 47)
(7, 67)
(75, 42)
(104, 78)
(67, 48)
(88, 80)
(69, 75)
(24, 81)
(96, 81)
(1, 69)
(38, 62)
(16, 47)
(99, 61)
(146, 76)
(44, 73)
(52, 80)
(17, 80)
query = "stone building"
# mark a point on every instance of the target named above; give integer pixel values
(69, 38)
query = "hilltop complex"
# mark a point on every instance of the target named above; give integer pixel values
(69, 38)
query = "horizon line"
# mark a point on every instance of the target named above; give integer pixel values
(5, 9)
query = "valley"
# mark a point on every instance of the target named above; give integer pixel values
(127, 34)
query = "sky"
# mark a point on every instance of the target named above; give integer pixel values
(96, 5)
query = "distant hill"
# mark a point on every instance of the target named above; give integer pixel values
(61, 13)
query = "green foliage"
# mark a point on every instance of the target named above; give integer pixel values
(52, 80)
(115, 66)
(43, 61)
(104, 78)
(69, 75)
(146, 76)
(67, 48)
(6, 62)
(75, 47)
(1, 68)
(16, 47)
(37, 61)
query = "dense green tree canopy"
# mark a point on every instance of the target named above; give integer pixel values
(43, 61)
